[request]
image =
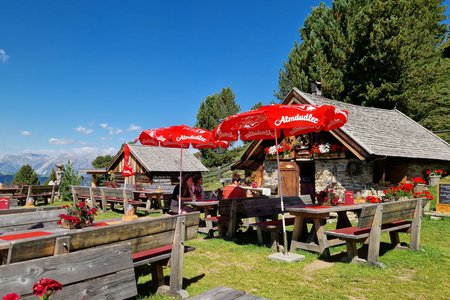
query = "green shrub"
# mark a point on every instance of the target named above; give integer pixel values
(69, 177)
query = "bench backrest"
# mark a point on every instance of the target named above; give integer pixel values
(41, 189)
(30, 220)
(256, 207)
(146, 233)
(27, 209)
(96, 192)
(83, 191)
(117, 193)
(47, 191)
(98, 273)
(391, 212)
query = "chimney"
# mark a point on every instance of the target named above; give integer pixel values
(316, 88)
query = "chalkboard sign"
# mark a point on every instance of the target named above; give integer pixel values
(444, 193)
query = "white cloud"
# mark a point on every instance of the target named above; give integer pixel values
(25, 133)
(115, 131)
(77, 151)
(134, 127)
(84, 130)
(93, 151)
(111, 130)
(3, 56)
(105, 138)
(57, 141)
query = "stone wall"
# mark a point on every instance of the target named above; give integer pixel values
(345, 174)
(271, 175)
(341, 175)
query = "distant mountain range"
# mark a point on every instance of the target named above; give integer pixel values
(42, 164)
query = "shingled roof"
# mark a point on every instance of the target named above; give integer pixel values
(383, 132)
(160, 159)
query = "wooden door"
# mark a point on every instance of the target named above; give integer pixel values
(289, 178)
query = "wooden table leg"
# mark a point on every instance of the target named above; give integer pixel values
(342, 220)
(321, 237)
(298, 227)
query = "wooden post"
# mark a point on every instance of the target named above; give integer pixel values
(62, 245)
(103, 200)
(415, 227)
(232, 221)
(176, 270)
(375, 235)
(175, 289)
(52, 199)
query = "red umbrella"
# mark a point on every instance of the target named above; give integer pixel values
(180, 136)
(268, 121)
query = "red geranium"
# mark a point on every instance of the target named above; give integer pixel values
(424, 194)
(78, 213)
(437, 172)
(372, 199)
(45, 287)
(12, 296)
(418, 180)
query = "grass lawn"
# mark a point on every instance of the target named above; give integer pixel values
(244, 266)
(409, 275)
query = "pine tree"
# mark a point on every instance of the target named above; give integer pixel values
(210, 113)
(52, 177)
(26, 176)
(381, 53)
(68, 178)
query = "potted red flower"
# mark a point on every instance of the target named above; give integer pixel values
(434, 176)
(77, 216)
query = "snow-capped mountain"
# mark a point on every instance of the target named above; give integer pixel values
(42, 164)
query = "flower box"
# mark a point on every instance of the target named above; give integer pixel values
(331, 155)
(66, 224)
(433, 180)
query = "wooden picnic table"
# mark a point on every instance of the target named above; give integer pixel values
(315, 240)
(152, 197)
(206, 206)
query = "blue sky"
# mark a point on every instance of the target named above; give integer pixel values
(86, 76)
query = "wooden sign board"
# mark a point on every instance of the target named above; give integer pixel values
(443, 198)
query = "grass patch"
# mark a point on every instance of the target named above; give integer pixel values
(409, 275)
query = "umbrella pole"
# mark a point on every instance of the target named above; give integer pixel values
(280, 190)
(181, 179)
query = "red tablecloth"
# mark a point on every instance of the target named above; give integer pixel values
(100, 224)
(18, 236)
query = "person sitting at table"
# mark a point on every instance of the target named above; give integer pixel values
(186, 195)
(234, 190)
(198, 186)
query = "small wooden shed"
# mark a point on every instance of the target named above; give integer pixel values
(155, 165)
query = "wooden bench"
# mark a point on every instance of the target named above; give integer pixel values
(46, 192)
(30, 220)
(20, 210)
(97, 273)
(124, 197)
(96, 196)
(167, 190)
(81, 193)
(224, 293)
(21, 194)
(392, 217)
(262, 208)
(153, 241)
